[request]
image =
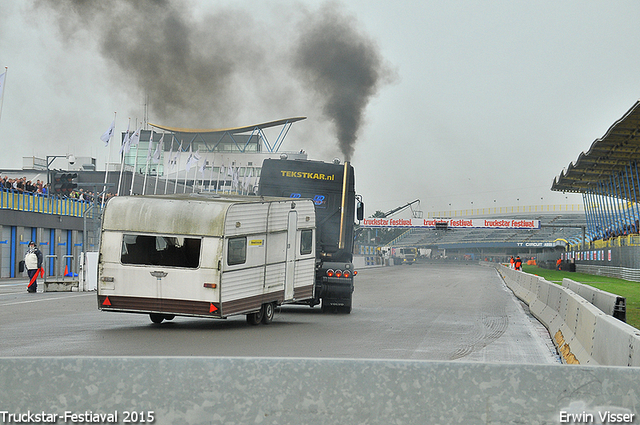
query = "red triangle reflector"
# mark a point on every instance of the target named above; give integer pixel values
(106, 301)
(212, 308)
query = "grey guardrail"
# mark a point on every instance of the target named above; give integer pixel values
(582, 333)
(612, 304)
(179, 390)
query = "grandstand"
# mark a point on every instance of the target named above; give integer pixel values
(558, 229)
(608, 178)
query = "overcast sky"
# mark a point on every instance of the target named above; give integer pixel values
(457, 103)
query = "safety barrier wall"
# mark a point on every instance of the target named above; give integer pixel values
(210, 390)
(582, 333)
(612, 304)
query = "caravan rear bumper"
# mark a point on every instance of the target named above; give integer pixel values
(155, 305)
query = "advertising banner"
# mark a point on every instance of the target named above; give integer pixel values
(452, 223)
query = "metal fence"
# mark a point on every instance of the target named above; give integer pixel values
(38, 203)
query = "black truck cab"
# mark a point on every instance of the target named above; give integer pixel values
(331, 186)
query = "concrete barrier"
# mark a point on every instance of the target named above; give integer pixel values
(612, 304)
(284, 391)
(615, 342)
(366, 261)
(582, 333)
(60, 286)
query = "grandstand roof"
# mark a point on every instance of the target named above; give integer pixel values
(232, 130)
(607, 156)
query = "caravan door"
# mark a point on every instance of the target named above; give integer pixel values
(290, 268)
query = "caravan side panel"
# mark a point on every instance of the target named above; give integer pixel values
(306, 261)
(243, 278)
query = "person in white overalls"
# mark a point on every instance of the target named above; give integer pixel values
(33, 263)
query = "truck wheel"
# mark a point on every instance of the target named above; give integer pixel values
(325, 307)
(345, 309)
(268, 310)
(255, 318)
(156, 318)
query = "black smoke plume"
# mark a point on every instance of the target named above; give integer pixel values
(196, 69)
(343, 66)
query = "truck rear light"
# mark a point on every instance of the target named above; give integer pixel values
(210, 285)
(346, 274)
(330, 272)
(355, 273)
(338, 273)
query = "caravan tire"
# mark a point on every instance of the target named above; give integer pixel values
(156, 318)
(268, 311)
(255, 318)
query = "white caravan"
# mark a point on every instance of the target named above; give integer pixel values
(206, 255)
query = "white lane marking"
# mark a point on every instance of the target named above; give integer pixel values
(47, 299)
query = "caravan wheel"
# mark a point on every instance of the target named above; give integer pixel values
(255, 318)
(156, 318)
(268, 312)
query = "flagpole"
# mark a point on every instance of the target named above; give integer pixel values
(159, 146)
(155, 189)
(186, 168)
(166, 175)
(4, 83)
(135, 159)
(211, 175)
(146, 171)
(179, 154)
(218, 176)
(195, 178)
(123, 153)
(133, 173)
(204, 167)
(106, 166)
(225, 177)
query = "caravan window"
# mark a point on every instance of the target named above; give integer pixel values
(237, 252)
(171, 251)
(306, 242)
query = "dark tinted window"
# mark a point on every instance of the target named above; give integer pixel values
(161, 251)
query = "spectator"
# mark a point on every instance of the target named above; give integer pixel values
(33, 263)
(518, 263)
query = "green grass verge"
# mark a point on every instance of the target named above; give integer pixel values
(624, 288)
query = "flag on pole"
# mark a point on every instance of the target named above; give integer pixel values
(2, 76)
(149, 148)
(173, 161)
(106, 136)
(247, 178)
(135, 138)
(126, 143)
(2, 82)
(193, 159)
(235, 177)
(155, 158)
